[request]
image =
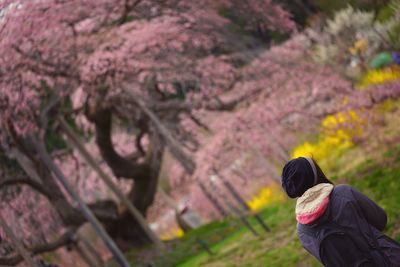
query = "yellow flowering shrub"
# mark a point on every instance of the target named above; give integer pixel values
(325, 148)
(172, 234)
(336, 136)
(338, 131)
(380, 76)
(343, 126)
(268, 195)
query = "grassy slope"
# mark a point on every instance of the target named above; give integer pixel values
(378, 178)
(233, 245)
(374, 171)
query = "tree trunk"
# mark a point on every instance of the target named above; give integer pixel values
(19, 247)
(132, 210)
(86, 211)
(126, 230)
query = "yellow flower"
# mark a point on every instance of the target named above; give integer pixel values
(373, 77)
(173, 233)
(304, 150)
(268, 195)
(337, 132)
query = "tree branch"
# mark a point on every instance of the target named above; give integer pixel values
(65, 239)
(138, 143)
(127, 8)
(48, 68)
(33, 184)
(199, 123)
(120, 166)
(171, 142)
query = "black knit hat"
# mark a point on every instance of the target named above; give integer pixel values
(298, 176)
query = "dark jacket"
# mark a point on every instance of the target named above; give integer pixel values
(348, 208)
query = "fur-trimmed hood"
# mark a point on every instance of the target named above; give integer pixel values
(313, 203)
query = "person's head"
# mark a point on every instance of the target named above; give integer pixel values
(300, 174)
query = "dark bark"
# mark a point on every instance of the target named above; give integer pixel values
(25, 180)
(173, 145)
(64, 240)
(128, 7)
(218, 206)
(48, 187)
(105, 210)
(120, 224)
(121, 167)
(126, 230)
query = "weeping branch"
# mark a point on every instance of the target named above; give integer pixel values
(138, 143)
(120, 166)
(27, 181)
(170, 141)
(64, 240)
(199, 123)
(128, 7)
(17, 243)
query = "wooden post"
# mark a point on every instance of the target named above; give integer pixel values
(283, 153)
(266, 164)
(237, 211)
(87, 213)
(170, 202)
(84, 255)
(172, 143)
(108, 181)
(25, 163)
(243, 203)
(213, 200)
(19, 247)
(243, 219)
(85, 243)
(203, 244)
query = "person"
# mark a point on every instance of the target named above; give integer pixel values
(337, 224)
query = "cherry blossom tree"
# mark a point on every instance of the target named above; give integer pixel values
(290, 94)
(135, 79)
(135, 68)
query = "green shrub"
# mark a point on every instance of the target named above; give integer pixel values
(331, 6)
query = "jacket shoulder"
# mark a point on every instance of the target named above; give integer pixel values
(343, 191)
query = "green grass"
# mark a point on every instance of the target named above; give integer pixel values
(380, 180)
(386, 12)
(182, 249)
(373, 169)
(233, 245)
(331, 6)
(279, 247)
